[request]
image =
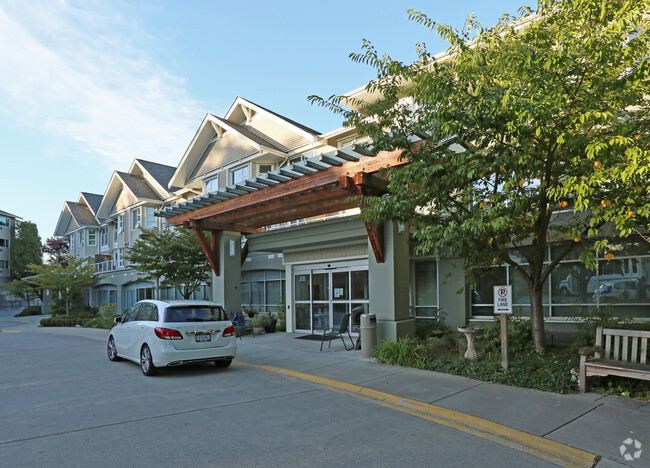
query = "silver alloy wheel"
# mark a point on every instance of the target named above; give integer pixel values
(145, 359)
(111, 349)
(146, 362)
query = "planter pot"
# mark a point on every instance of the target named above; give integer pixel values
(250, 314)
(271, 328)
(258, 330)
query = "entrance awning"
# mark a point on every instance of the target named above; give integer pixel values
(317, 186)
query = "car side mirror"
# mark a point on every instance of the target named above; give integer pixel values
(118, 320)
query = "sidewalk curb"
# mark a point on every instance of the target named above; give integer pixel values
(545, 449)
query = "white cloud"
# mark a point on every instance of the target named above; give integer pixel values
(90, 74)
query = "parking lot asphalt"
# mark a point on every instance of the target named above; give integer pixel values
(568, 430)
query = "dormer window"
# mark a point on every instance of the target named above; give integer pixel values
(239, 175)
(264, 168)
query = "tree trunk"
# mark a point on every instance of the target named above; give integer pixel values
(537, 318)
(67, 305)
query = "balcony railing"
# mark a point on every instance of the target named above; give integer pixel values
(109, 265)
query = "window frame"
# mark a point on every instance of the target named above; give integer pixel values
(234, 171)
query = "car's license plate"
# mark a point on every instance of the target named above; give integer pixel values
(203, 336)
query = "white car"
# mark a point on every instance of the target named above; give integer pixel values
(163, 333)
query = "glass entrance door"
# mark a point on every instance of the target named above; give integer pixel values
(322, 296)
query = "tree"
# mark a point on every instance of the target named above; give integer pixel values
(536, 132)
(24, 289)
(67, 280)
(174, 257)
(57, 249)
(26, 249)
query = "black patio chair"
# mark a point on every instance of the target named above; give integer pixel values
(241, 323)
(334, 332)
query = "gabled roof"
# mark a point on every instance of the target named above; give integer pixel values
(161, 173)
(80, 213)
(240, 101)
(258, 141)
(214, 127)
(138, 187)
(93, 200)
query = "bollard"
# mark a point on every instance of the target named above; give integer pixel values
(368, 334)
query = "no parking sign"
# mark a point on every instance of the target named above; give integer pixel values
(502, 300)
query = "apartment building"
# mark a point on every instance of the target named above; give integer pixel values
(7, 235)
(102, 227)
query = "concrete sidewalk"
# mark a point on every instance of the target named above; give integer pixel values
(591, 422)
(606, 426)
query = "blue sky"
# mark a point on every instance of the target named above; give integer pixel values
(87, 86)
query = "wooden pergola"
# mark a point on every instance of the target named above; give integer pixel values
(251, 206)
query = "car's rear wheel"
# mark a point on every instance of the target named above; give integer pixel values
(222, 362)
(146, 362)
(111, 350)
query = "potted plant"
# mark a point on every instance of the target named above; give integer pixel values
(273, 323)
(281, 314)
(259, 323)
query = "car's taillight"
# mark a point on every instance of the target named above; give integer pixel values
(167, 334)
(229, 331)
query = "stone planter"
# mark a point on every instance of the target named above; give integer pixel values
(258, 330)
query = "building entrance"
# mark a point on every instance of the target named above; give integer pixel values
(324, 293)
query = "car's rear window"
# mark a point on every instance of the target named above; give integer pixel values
(195, 314)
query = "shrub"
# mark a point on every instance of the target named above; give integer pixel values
(549, 372)
(31, 310)
(428, 328)
(597, 317)
(261, 320)
(520, 336)
(105, 319)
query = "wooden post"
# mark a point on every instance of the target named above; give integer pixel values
(504, 341)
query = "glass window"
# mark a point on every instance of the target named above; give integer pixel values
(148, 312)
(115, 232)
(4, 221)
(151, 218)
(92, 237)
(320, 287)
(120, 223)
(264, 168)
(195, 314)
(135, 218)
(130, 314)
(301, 287)
(573, 283)
(340, 286)
(359, 281)
(257, 292)
(426, 283)
(80, 238)
(483, 292)
(239, 175)
(303, 317)
(273, 292)
(103, 236)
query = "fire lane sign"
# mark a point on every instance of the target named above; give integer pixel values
(502, 300)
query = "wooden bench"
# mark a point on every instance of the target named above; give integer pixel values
(625, 354)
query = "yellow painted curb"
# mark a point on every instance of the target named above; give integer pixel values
(545, 449)
(10, 331)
